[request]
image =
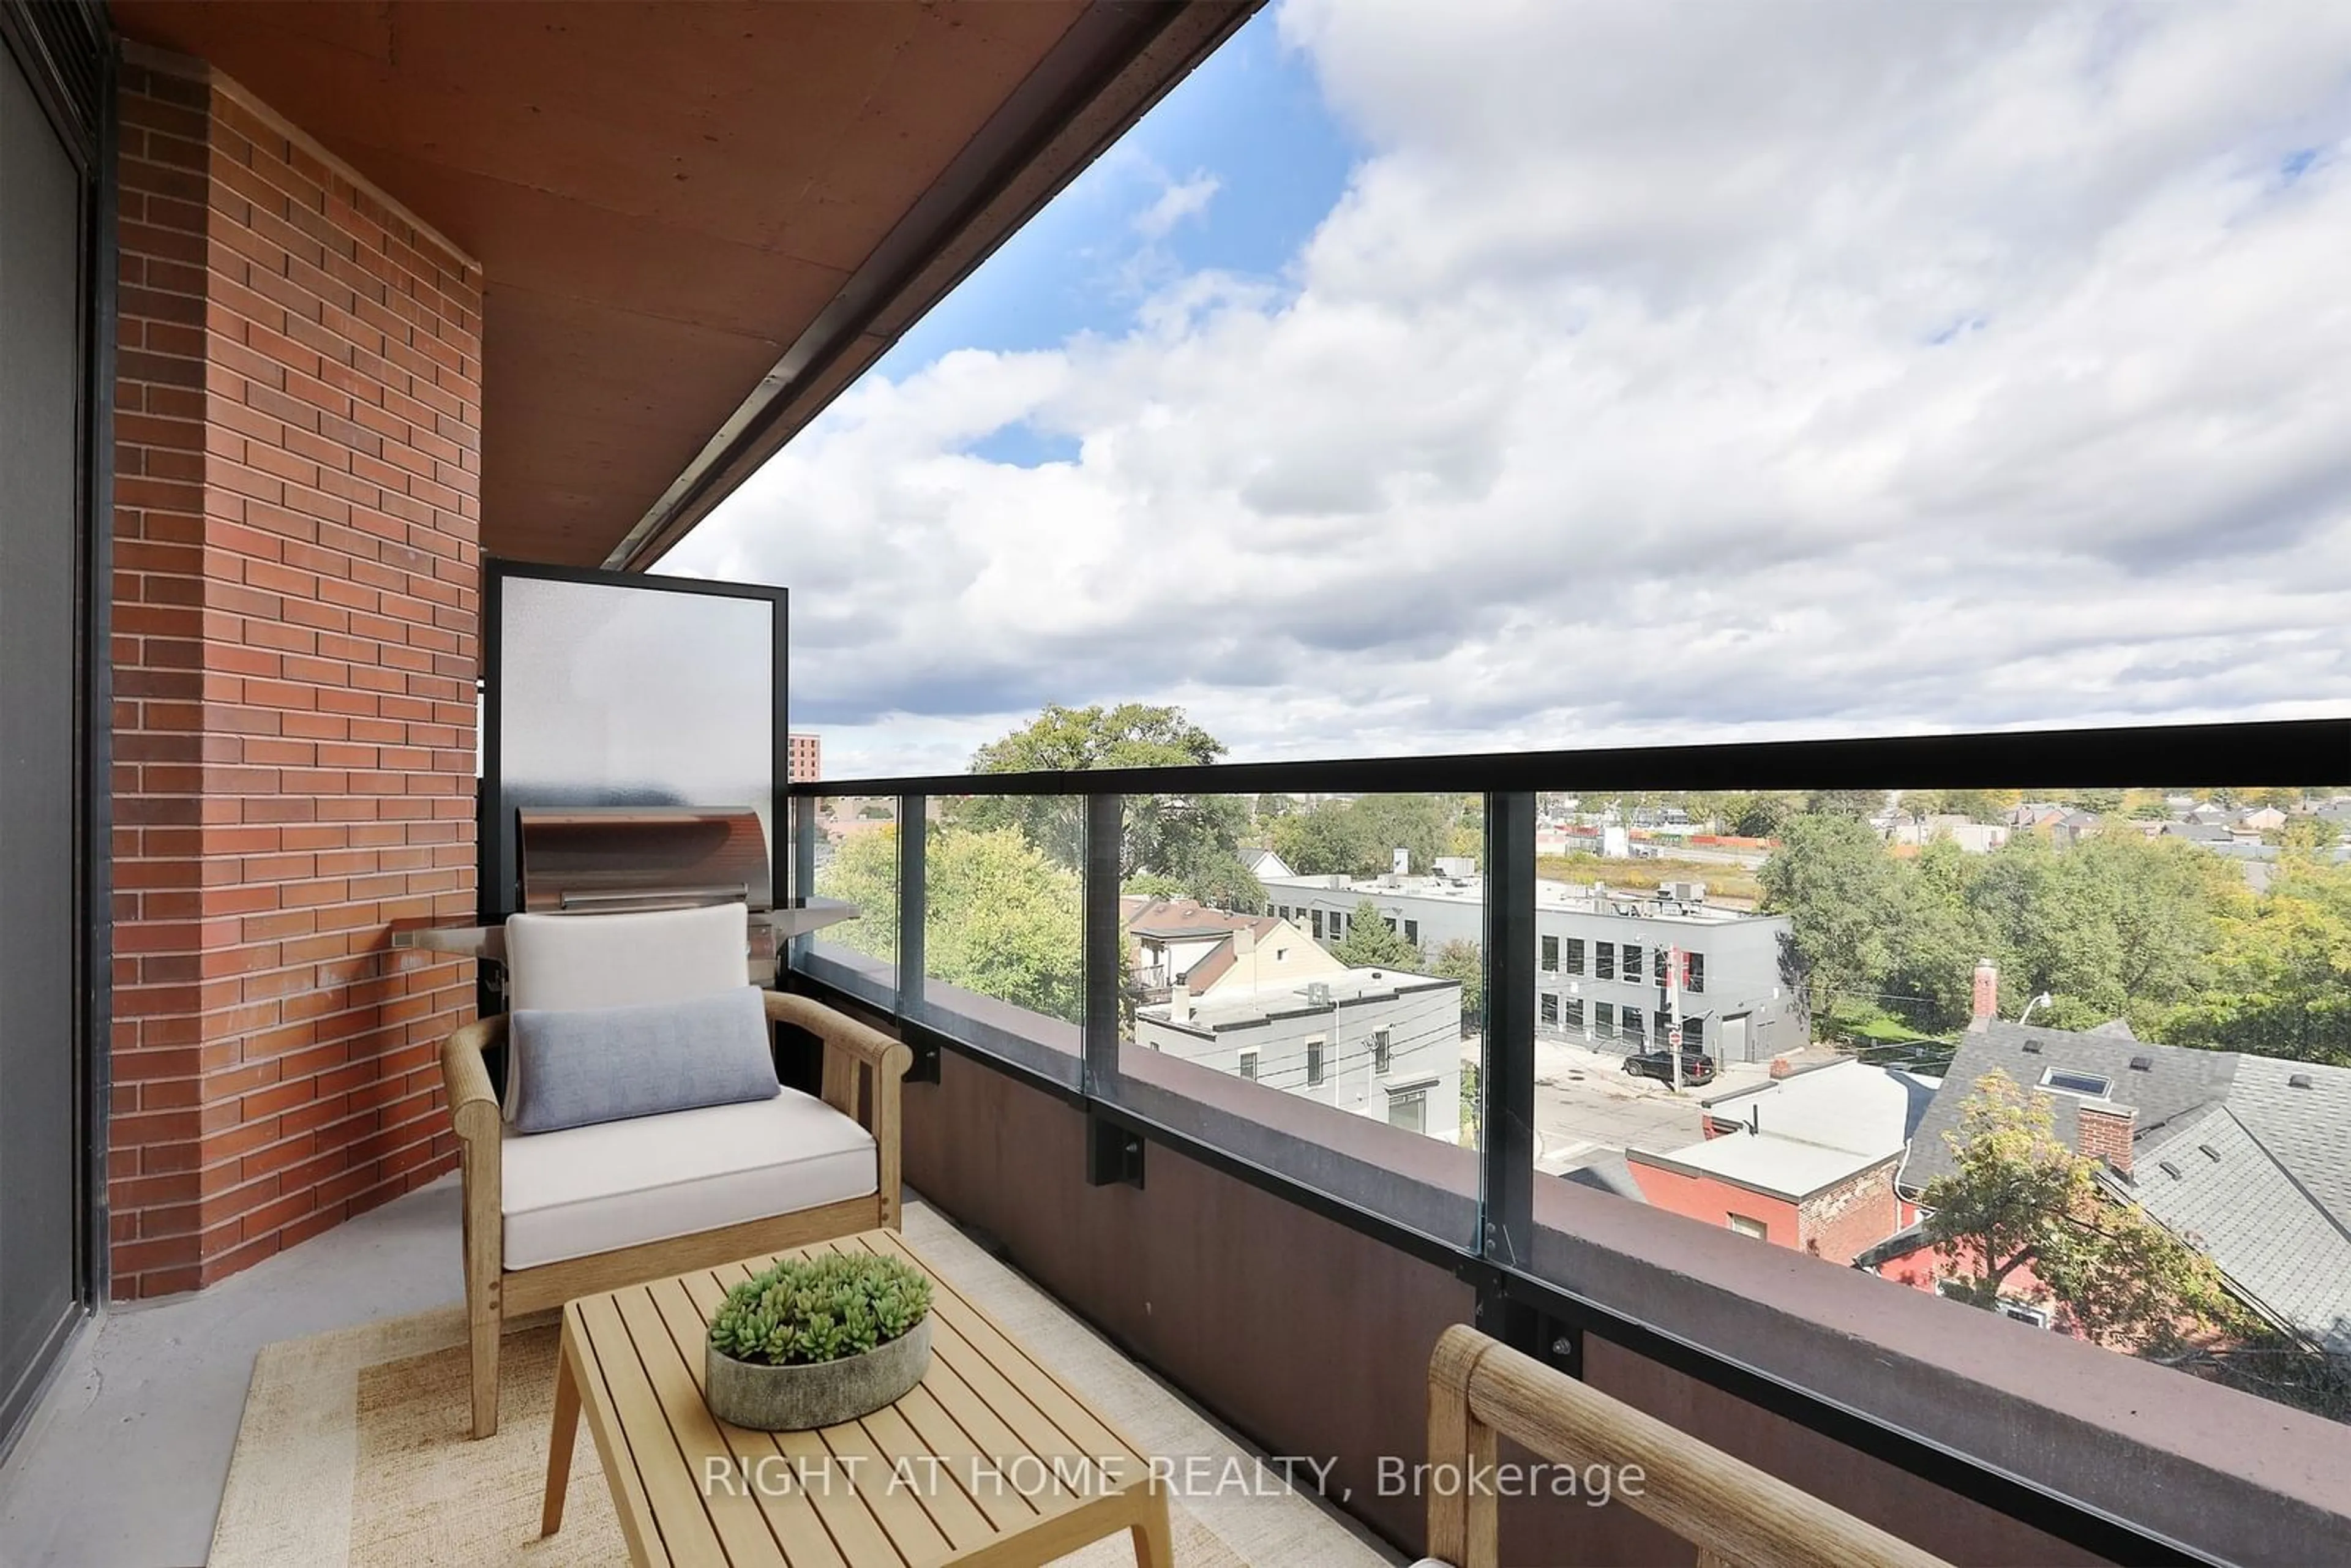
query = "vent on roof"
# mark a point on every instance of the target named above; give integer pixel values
(2209, 1152)
(2299, 1080)
(2032, 1047)
(2170, 1170)
(2142, 1064)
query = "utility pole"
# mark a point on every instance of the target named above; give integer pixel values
(1674, 1010)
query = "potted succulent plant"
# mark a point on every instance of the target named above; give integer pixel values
(815, 1341)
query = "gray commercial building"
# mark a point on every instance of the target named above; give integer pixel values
(1379, 1043)
(1615, 968)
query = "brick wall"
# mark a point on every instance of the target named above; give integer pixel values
(297, 560)
(2104, 1133)
(1852, 1216)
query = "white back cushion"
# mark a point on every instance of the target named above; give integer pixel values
(571, 962)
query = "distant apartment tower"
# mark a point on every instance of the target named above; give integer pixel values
(807, 758)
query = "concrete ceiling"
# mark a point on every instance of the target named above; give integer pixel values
(697, 221)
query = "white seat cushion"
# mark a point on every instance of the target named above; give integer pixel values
(591, 1189)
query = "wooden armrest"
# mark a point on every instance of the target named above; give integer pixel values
(473, 1104)
(841, 1033)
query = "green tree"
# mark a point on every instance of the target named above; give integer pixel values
(2019, 1203)
(1370, 944)
(1464, 962)
(1190, 837)
(1004, 920)
(2115, 926)
(1359, 837)
(864, 871)
(2281, 972)
(1324, 840)
(1833, 880)
(1920, 804)
(1861, 804)
(1001, 918)
(1980, 805)
(1760, 816)
(2307, 835)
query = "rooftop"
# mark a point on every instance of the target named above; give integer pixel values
(1577, 897)
(1850, 1106)
(1784, 1168)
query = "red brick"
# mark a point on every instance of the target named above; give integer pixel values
(296, 546)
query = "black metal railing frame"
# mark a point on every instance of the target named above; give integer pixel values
(1540, 1315)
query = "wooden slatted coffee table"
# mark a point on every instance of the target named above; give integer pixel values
(991, 1462)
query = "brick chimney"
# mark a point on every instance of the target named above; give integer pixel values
(2105, 1132)
(1985, 1005)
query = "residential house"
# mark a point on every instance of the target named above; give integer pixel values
(2242, 1156)
(2034, 814)
(1807, 1161)
(1973, 837)
(1262, 863)
(1181, 942)
(1380, 1043)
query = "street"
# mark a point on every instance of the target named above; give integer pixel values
(1587, 1106)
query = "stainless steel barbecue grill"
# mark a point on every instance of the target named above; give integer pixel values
(609, 860)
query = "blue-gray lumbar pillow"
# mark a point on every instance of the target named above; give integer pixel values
(606, 1064)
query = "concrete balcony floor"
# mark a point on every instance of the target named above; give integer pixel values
(124, 1464)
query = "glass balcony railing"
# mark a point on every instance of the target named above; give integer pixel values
(2069, 1061)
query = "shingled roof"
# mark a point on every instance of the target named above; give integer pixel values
(2245, 1156)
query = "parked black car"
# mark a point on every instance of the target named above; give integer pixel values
(1696, 1066)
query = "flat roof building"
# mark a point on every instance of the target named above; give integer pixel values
(1615, 968)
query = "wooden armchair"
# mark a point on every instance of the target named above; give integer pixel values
(756, 1178)
(1737, 1516)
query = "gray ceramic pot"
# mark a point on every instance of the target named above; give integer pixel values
(794, 1398)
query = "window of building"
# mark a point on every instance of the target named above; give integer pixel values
(1412, 932)
(1314, 1061)
(1408, 1108)
(1693, 973)
(1662, 1021)
(2088, 1083)
(1633, 963)
(1550, 953)
(1571, 1014)
(2025, 1312)
(1279, 953)
(1550, 1004)
(1603, 960)
(1629, 1021)
(1746, 1226)
(1604, 1015)
(1248, 1065)
(1693, 1034)
(1379, 1050)
(1318, 925)
(1576, 955)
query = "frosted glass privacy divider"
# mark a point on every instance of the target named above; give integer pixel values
(618, 689)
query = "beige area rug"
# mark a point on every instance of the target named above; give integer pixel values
(354, 1448)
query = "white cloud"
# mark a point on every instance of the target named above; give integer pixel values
(1665, 373)
(1180, 200)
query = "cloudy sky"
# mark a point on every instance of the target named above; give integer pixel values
(1434, 378)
